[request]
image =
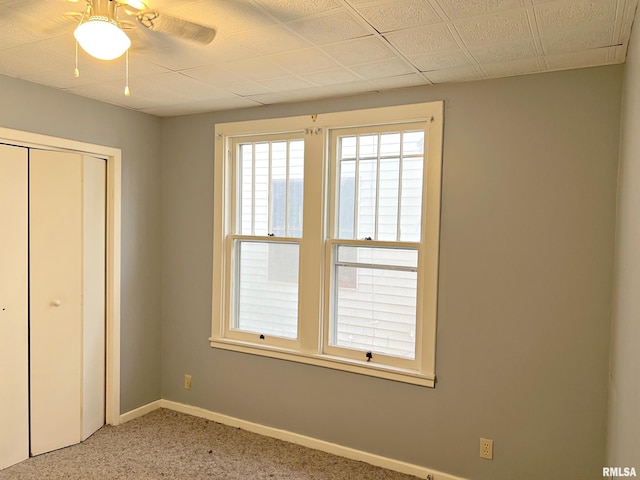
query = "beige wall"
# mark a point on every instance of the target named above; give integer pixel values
(29, 107)
(528, 221)
(624, 377)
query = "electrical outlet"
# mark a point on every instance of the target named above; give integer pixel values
(187, 382)
(486, 448)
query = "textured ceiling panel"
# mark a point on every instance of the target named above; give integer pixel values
(440, 60)
(398, 15)
(288, 10)
(493, 29)
(473, 8)
(417, 41)
(305, 61)
(273, 51)
(334, 26)
(358, 51)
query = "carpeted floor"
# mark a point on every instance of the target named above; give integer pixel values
(168, 445)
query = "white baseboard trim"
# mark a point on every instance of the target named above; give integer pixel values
(140, 411)
(310, 442)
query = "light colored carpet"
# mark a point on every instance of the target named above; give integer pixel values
(166, 445)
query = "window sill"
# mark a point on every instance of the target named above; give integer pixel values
(337, 363)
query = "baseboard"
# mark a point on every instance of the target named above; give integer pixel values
(335, 449)
(138, 412)
(310, 442)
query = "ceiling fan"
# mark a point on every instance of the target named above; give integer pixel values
(101, 31)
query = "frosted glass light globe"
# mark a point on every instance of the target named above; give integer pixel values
(102, 38)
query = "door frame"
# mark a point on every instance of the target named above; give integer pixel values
(113, 157)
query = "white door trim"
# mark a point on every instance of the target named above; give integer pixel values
(113, 157)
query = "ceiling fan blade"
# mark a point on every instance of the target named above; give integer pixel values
(159, 22)
(133, 7)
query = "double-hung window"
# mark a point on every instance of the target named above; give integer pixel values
(326, 234)
(263, 245)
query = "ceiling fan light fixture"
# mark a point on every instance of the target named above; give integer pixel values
(102, 38)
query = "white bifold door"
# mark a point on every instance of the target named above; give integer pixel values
(52, 300)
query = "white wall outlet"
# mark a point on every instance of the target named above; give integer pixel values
(486, 448)
(187, 382)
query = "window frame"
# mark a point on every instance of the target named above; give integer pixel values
(309, 347)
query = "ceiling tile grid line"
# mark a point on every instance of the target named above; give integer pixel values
(276, 51)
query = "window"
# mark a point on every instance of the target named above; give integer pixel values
(326, 236)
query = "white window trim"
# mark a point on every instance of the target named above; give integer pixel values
(316, 128)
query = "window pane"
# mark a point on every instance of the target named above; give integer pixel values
(379, 314)
(271, 179)
(388, 201)
(368, 146)
(346, 201)
(413, 143)
(246, 198)
(279, 189)
(348, 148)
(296, 180)
(411, 201)
(267, 288)
(367, 199)
(390, 144)
(390, 257)
(380, 187)
(261, 195)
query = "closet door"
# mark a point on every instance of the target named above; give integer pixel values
(66, 277)
(14, 374)
(94, 293)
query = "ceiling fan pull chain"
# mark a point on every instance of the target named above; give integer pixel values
(127, 92)
(76, 72)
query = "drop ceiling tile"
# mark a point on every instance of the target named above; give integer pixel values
(247, 89)
(303, 94)
(256, 69)
(472, 8)
(183, 57)
(351, 88)
(387, 16)
(269, 40)
(575, 14)
(200, 107)
(440, 60)
(227, 17)
(15, 29)
(459, 74)
(576, 41)
(215, 75)
(289, 10)
(332, 77)
(386, 68)
(301, 62)
(505, 51)
(113, 93)
(400, 81)
(331, 27)
(171, 86)
(358, 51)
(588, 58)
(417, 41)
(514, 67)
(494, 29)
(287, 83)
